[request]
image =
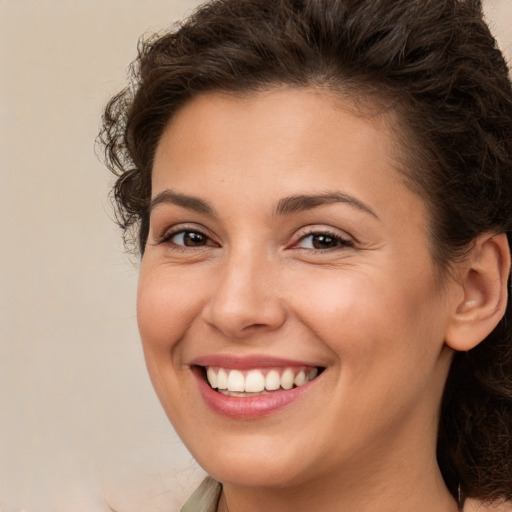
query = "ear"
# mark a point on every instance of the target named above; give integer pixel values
(483, 276)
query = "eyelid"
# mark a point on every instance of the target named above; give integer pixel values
(345, 239)
(176, 229)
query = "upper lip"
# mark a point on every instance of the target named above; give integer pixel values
(248, 362)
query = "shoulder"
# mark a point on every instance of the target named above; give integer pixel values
(473, 505)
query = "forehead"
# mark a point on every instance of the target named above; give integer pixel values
(289, 131)
(257, 148)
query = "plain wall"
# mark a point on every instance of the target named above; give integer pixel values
(80, 426)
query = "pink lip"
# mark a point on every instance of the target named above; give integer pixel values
(248, 362)
(248, 408)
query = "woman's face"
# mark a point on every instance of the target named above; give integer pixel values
(282, 244)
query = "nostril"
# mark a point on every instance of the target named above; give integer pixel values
(254, 326)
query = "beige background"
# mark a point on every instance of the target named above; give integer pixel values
(80, 428)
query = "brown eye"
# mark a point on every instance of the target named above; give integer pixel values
(189, 239)
(324, 241)
(321, 241)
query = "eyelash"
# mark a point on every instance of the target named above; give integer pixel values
(340, 242)
(168, 236)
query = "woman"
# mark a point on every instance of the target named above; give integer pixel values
(321, 192)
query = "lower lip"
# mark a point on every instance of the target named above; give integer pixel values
(252, 407)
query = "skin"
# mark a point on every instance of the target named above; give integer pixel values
(370, 308)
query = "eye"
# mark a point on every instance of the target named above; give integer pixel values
(187, 238)
(322, 240)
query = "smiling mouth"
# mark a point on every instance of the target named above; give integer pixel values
(258, 382)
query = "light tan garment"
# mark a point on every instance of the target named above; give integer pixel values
(206, 499)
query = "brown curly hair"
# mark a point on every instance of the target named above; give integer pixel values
(434, 63)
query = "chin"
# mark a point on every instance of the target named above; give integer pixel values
(252, 466)
(252, 473)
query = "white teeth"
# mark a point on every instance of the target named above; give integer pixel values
(212, 378)
(287, 379)
(272, 380)
(236, 381)
(222, 380)
(252, 382)
(300, 378)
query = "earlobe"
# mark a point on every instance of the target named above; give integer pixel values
(483, 278)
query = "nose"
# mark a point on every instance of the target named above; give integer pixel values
(245, 300)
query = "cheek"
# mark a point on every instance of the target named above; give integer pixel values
(385, 339)
(164, 314)
(367, 318)
(164, 311)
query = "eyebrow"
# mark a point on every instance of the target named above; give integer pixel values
(285, 206)
(189, 202)
(299, 203)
